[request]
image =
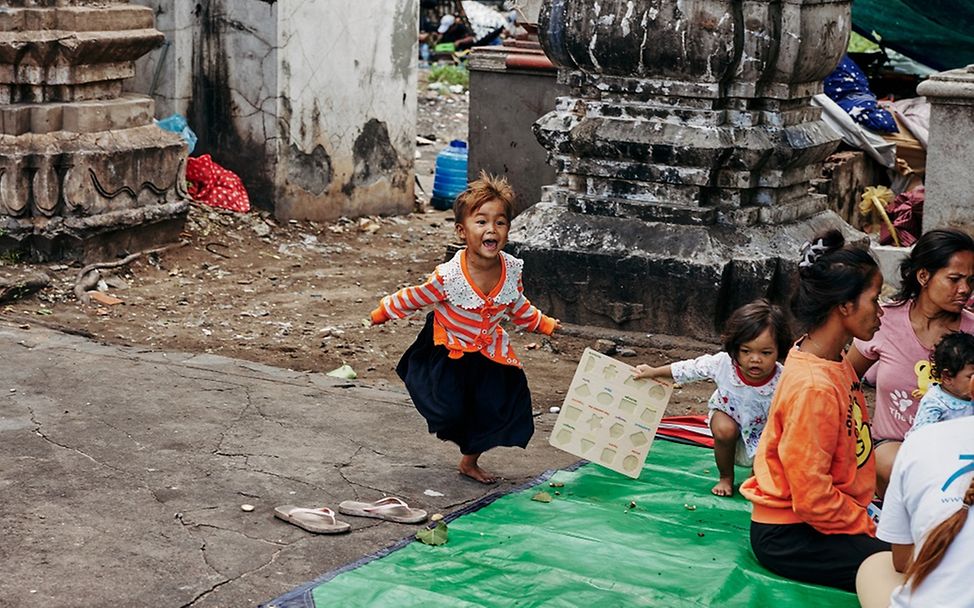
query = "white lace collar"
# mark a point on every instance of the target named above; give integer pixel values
(461, 293)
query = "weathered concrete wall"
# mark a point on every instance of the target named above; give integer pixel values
(170, 83)
(314, 107)
(348, 108)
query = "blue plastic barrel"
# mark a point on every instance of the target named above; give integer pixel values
(450, 177)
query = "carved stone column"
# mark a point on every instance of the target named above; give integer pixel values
(950, 156)
(83, 171)
(684, 153)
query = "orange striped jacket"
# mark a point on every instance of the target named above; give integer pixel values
(465, 319)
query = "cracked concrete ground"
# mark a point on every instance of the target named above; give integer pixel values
(124, 471)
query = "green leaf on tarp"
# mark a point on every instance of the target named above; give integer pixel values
(345, 372)
(542, 497)
(437, 535)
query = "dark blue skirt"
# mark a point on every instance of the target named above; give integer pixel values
(472, 401)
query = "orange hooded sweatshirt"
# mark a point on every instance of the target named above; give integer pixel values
(815, 461)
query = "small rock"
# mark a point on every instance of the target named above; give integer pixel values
(247, 508)
(436, 517)
(626, 352)
(554, 409)
(606, 347)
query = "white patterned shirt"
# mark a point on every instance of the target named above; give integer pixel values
(746, 403)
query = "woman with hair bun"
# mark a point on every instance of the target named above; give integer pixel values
(925, 517)
(814, 471)
(936, 284)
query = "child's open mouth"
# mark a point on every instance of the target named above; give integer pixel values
(490, 245)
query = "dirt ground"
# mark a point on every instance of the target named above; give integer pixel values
(297, 294)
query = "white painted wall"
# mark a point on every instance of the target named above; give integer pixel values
(348, 82)
(313, 103)
(174, 84)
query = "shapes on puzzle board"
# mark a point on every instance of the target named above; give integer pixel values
(615, 431)
(590, 363)
(627, 405)
(638, 439)
(657, 392)
(648, 416)
(604, 398)
(609, 372)
(633, 383)
(630, 463)
(594, 423)
(563, 436)
(572, 413)
(586, 444)
(583, 391)
(608, 455)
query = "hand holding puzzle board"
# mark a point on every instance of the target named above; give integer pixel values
(608, 417)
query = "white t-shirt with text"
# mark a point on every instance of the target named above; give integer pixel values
(932, 472)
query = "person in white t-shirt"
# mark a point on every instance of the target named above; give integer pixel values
(924, 517)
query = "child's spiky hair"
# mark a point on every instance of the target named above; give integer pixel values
(482, 190)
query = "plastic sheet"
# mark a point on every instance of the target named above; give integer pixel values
(937, 34)
(678, 547)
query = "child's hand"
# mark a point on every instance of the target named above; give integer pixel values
(558, 326)
(644, 371)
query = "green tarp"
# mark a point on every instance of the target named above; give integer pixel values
(678, 547)
(937, 33)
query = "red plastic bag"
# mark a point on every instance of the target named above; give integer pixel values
(213, 185)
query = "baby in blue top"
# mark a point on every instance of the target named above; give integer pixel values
(952, 367)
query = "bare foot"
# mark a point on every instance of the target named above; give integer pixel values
(724, 487)
(470, 468)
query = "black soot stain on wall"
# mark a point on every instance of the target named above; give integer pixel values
(212, 109)
(309, 171)
(374, 155)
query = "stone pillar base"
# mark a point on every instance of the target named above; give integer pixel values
(665, 278)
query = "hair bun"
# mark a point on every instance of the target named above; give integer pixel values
(820, 245)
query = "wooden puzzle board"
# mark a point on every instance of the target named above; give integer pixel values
(608, 417)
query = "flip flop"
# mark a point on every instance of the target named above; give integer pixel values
(389, 508)
(319, 521)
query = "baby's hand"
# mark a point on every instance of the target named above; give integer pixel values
(558, 326)
(645, 371)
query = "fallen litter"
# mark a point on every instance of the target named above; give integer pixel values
(433, 493)
(435, 533)
(104, 298)
(345, 372)
(542, 497)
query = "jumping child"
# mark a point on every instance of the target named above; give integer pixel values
(746, 373)
(461, 371)
(949, 396)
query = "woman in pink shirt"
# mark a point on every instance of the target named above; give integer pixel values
(936, 284)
